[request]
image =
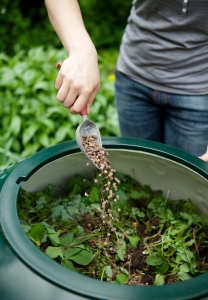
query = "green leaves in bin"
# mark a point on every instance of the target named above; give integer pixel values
(71, 252)
(82, 258)
(67, 239)
(53, 236)
(162, 268)
(54, 252)
(94, 195)
(121, 249)
(159, 279)
(121, 278)
(134, 240)
(37, 231)
(158, 237)
(154, 261)
(68, 264)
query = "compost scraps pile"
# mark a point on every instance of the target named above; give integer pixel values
(112, 228)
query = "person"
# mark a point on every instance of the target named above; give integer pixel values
(161, 87)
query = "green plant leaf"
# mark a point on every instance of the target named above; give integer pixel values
(81, 240)
(140, 214)
(185, 268)
(71, 252)
(30, 149)
(133, 240)
(61, 133)
(65, 215)
(95, 206)
(54, 252)
(121, 278)
(67, 239)
(29, 133)
(122, 196)
(154, 261)
(53, 236)
(184, 254)
(189, 243)
(72, 209)
(159, 279)
(37, 231)
(15, 125)
(139, 195)
(184, 276)
(108, 271)
(162, 268)
(94, 195)
(151, 205)
(56, 211)
(121, 250)
(187, 217)
(204, 218)
(44, 140)
(82, 258)
(26, 227)
(42, 85)
(68, 264)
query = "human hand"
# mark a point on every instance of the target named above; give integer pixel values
(205, 156)
(78, 80)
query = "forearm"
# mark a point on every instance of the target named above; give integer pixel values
(66, 18)
(78, 80)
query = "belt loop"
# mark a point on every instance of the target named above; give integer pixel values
(164, 98)
(155, 96)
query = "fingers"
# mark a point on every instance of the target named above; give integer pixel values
(86, 98)
(70, 98)
(81, 102)
(59, 80)
(63, 91)
(205, 156)
(73, 98)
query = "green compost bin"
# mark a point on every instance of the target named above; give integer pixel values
(28, 274)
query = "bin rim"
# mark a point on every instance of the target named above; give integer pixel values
(76, 283)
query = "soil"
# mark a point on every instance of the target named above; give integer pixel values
(137, 258)
(171, 279)
(204, 253)
(141, 230)
(155, 222)
(89, 222)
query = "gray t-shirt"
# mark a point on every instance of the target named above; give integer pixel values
(165, 46)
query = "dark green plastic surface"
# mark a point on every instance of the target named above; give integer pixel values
(26, 273)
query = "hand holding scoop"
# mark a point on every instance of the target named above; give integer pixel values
(87, 127)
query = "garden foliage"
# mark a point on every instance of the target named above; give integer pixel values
(25, 24)
(31, 118)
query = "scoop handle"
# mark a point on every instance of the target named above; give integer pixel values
(84, 111)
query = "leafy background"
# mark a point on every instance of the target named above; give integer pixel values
(31, 118)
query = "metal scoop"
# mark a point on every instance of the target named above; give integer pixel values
(87, 127)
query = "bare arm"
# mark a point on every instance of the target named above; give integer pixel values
(79, 76)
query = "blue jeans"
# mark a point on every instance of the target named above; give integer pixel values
(177, 120)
